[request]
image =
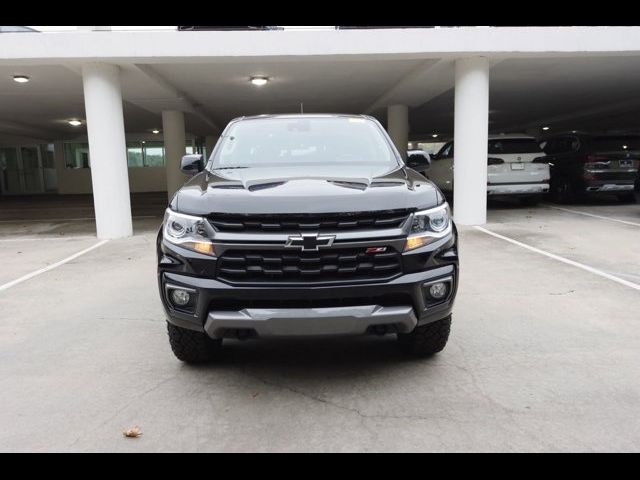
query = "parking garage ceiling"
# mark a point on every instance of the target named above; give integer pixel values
(572, 93)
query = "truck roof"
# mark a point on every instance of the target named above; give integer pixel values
(302, 115)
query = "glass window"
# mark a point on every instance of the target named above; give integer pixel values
(513, 145)
(154, 154)
(9, 171)
(48, 160)
(139, 154)
(134, 154)
(305, 141)
(76, 155)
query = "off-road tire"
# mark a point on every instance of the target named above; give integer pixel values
(426, 340)
(192, 347)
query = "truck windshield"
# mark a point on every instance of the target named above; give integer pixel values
(305, 141)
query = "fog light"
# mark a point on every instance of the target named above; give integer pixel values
(180, 297)
(438, 291)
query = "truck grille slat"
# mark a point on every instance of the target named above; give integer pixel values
(336, 265)
(311, 222)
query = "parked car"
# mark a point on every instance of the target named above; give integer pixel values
(583, 164)
(305, 225)
(517, 167)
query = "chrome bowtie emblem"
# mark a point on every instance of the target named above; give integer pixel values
(310, 243)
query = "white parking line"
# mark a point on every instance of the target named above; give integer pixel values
(558, 258)
(48, 268)
(44, 239)
(83, 219)
(601, 217)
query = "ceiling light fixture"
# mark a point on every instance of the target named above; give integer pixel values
(545, 128)
(155, 132)
(74, 123)
(259, 81)
(435, 135)
(21, 78)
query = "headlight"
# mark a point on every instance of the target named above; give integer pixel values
(187, 232)
(429, 225)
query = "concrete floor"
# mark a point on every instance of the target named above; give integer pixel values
(543, 356)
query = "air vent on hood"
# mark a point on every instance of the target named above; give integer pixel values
(264, 186)
(227, 186)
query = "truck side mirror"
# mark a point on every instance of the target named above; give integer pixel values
(418, 160)
(192, 164)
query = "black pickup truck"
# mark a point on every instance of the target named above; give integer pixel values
(306, 225)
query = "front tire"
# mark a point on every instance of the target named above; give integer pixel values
(192, 347)
(426, 340)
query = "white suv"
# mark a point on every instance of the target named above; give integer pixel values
(516, 167)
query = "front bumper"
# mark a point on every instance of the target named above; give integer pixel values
(518, 189)
(297, 322)
(397, 305)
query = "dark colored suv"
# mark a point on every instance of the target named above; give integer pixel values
(584, 164)
(304, 225)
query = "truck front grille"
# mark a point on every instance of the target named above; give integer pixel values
(337, 264)
(317, 223)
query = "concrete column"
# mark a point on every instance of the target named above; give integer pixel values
(471, 132)
(174, 149)
(210, 142)
(398, 127)
(108, 150)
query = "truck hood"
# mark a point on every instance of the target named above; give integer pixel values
(306, 189)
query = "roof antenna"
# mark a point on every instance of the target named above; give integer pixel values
(301, 107)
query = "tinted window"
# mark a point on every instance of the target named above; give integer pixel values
(513, 145)
(303, 141)
(615, 144)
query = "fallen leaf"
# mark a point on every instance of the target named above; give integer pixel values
(133, 432)
(256, 394)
